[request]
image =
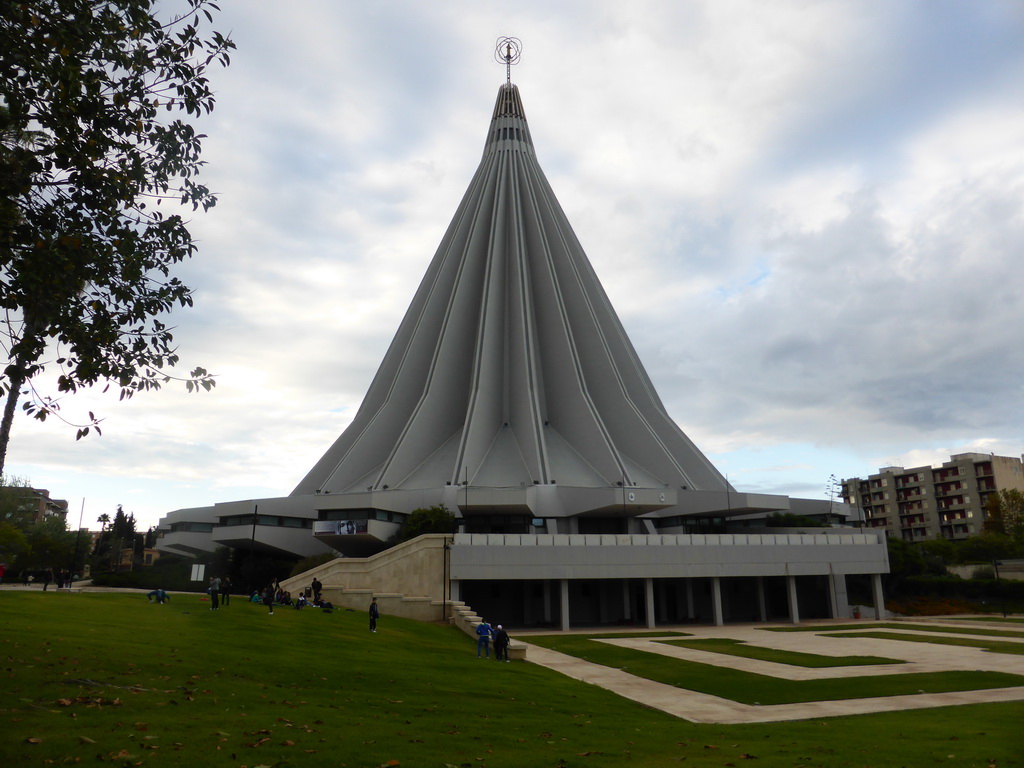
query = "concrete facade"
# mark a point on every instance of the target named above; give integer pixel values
(512, 395)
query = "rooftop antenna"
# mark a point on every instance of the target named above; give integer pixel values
(506, 51)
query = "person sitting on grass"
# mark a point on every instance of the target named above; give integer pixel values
(161, 596)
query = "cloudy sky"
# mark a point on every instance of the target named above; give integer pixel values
(808, 215)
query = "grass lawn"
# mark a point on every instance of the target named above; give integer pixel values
(750, 688)
(113, 680)
(959, 630)
(995, 646)
(732, 647)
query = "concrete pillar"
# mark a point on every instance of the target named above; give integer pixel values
(794, 606)
(876, 592)
(716, 601)
(649, 601)
(762, 604)
(691, 612)
(603, 603)
(837, 595)
(842, 598)
(454, 590)
(564, 584)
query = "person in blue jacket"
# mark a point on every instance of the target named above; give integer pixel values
(483, 639)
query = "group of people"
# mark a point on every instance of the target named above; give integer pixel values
(311, 596)
(485, 635)
(219, 591)
(63, 577)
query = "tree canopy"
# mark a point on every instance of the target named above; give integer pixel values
(1004, 514)
(28, 543)
(436, 519)
(98, 165)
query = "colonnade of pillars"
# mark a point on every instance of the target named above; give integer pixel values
(836, 600)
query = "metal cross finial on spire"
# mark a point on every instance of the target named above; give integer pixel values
(506, 51)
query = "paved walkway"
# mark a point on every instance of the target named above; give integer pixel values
(704, 708)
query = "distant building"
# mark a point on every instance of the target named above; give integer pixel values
(38, 503)
(926, 502)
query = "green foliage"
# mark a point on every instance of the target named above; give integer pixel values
(1004, 514)
(13, 542)
(436, 519)
(13, 508)
(311, 562)
(905, 561)
(791, 520)
(967, 589)
(27, 544)
(988, 547)
(121, 535)
(940, 551)
(94, 141)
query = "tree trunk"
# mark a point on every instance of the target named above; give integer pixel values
(24, 354)
(15, 383)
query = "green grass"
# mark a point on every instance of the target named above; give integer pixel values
(795, 658)
(995, 646)
(750, 688)
(109, 679)
(826, 627)
(964, 630)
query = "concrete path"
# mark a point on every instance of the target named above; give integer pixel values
(704, 708)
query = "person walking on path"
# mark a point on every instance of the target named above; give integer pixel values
(225, 590)
(214, 591)
(500, 644)
(483, 639)
(374, 614)
(268, 597)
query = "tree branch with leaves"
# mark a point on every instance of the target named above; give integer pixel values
(98, 160)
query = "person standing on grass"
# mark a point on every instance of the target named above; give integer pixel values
(500, 644)
(214, 591)
(268, 597)
(483, 639)
(317, 589)
(374, 614)
(225, 590)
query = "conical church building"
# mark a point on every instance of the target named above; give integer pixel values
(512, 395)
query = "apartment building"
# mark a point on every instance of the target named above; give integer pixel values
(928, 502)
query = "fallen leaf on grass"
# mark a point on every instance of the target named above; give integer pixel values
(85, 740)
(33, 740)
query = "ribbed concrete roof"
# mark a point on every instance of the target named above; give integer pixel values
(510, 366)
